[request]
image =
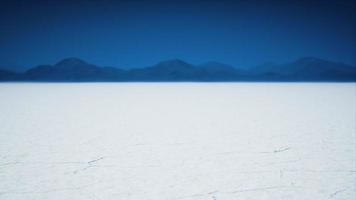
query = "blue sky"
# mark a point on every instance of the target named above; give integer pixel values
(139, 33)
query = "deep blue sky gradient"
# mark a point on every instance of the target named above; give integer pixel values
(139, 33)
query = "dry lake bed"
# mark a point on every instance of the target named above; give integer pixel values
(171, 141)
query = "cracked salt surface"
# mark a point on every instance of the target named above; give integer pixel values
(214, 141)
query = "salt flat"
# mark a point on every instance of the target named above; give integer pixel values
(167, 141)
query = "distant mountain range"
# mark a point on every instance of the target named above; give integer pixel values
(77, 70)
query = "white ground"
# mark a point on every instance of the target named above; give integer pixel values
(167, 141)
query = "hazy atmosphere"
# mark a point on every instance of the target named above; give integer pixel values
(140, 33)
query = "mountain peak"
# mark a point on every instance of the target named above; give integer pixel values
(71, 62)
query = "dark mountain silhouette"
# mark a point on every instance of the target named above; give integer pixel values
(7, 75)
(77, 70)
(13, 68)
(170, 70)
(220, 71)
(308, 68)
(73, 69)
(213, 66)
(178, 70)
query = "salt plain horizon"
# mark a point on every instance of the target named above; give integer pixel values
(214, 141)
